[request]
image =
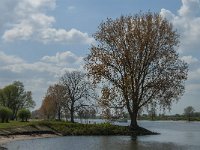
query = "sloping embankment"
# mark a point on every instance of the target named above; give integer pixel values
(66, 129)
(27, 130)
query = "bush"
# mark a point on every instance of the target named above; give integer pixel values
(5, 114)
(24, 114)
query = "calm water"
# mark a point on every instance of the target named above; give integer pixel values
(174, 136)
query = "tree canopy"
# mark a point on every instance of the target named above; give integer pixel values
(68, 98)
(15, 97)
(136, 61)
(78, 91)
(53, 102)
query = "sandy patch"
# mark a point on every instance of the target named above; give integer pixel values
(10, 138)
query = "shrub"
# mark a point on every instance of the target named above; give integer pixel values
(5, 114)
(24, 114)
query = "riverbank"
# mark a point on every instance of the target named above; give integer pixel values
(188, 138)
(7, 139)
(41, 129)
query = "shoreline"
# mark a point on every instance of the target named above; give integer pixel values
(48, 129)
(11, 138)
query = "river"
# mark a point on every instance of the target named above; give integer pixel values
(175, 135)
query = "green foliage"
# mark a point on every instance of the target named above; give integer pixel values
(12, 124)
(24, 114)
(15, 97)
(5, 114)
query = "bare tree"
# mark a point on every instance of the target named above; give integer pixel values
(86, 113)
(188, 112)
(136, 57)
(78, 91)
(152, 110)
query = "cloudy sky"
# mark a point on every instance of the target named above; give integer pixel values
(40, 39)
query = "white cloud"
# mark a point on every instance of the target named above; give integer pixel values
(52, 65)
(31, 22)
(63, 58)
(40, 3)
(7, 10)
(72, 36)
(9, 59)
(42, 20)
(37, 76)
(189, 59)
(20, 31)
(167, 14)
(190, 8)
(187, 22)
(34, 67)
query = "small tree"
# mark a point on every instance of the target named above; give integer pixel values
(58, 95)
(5, 114)
(48, 108)
(188, 111)
(152, 111)
(15, 97)
(24, 114)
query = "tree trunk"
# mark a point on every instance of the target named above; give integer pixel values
(59, 114)
(72, 111)
(133, 117)
(72, 115)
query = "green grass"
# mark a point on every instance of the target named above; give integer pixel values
(13, 124)
(68, 128)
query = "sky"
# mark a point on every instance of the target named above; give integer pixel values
(41, 39)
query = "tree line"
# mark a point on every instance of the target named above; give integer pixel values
(188, 114)
(73, 95)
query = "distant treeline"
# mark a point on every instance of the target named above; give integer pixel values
(194, 117)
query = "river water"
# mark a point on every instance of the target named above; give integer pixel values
(175, 135)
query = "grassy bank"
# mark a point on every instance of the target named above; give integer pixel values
(67, 128)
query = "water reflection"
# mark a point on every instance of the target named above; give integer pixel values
(95, 143)
(134, 138)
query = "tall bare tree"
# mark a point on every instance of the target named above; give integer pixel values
(78, 91)
(136, 57)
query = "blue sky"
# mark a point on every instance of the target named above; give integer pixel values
(41, 39)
